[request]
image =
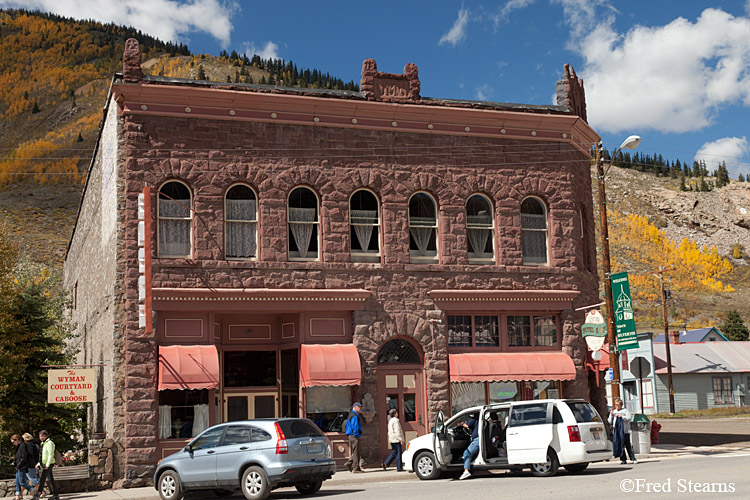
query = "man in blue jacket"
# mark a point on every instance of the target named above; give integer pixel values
(354, 430)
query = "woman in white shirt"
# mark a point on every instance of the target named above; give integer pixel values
(619, 419)
(396, 438)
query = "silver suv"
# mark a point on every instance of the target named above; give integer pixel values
(254, 456)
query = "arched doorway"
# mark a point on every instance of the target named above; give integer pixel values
(401, 385)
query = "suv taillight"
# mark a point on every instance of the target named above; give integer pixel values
(281, 447)
(574, 434)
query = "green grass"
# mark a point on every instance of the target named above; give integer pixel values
(741, 411)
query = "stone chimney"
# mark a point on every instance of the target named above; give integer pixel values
(674, 337)
(131, 62)
(570, 93)
(390, 87)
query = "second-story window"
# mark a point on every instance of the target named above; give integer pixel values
(479, 230)
(422, 228)
(174, 216)
(303, 221)
(534, 231)
(241, 218)
(364, 224)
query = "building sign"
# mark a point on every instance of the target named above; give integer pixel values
(71, 386)
(594, 331)
(506, 394)
(627, 337)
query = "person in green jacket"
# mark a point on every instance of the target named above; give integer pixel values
(47, 463)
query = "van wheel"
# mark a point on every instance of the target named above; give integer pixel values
(576, 468)
(309, 488)
(255, 484)
(169, 486)
(425, 466)
(548, 468)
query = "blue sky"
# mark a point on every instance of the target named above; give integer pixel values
(675, 72)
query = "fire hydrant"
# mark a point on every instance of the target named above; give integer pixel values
(655, 427)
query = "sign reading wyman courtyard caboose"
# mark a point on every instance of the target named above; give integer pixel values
(71, 386)
(627, 337)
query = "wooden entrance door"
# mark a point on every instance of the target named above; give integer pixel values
(249, 405)
(401, 387)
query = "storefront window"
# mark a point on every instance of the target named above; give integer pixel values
(249, 368)
(479, 331)
(545, 330)
(182, 414)
(466, 394)
(519, 331)
(329, 407)
(504, 391)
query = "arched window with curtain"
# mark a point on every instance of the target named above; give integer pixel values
(534, 231)
(241, 223)
(303, 221)
(479, 234)
(174, 215)
(422, 228)
(364, 224)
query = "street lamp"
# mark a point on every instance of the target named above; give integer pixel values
(629, 143)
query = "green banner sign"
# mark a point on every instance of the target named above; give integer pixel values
(627, 337)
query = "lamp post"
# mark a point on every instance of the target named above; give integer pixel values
(629, 143)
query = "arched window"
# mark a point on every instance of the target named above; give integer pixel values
(479, 230)
(364, 223)
(303, 221)
(533, 231)
(241, 223)
(398, 351)
(174, 216)
(422, 228)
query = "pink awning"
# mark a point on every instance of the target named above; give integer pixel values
(330, 364)
(507, 366)
(188, 367)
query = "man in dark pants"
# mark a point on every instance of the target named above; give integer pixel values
(354, 430)
(48, 462)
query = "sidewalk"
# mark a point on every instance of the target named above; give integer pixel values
(375, 475)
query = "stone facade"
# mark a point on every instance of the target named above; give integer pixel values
(314, 146)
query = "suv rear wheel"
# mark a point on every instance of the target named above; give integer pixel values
(309, 488)
(548, 468)
(169, 486)
(426, 466)
(255, 484)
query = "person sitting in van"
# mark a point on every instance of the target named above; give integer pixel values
(473, 449)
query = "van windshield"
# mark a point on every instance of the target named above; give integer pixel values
(584, 412)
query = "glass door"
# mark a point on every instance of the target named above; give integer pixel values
(402, 390)
(247, 406)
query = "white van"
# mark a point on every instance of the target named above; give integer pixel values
(541, 435)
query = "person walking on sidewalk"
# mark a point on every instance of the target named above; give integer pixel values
(34, 452)
(354, 429)
(619, 419)
(396, 438)
(21, 461)
(48, 463)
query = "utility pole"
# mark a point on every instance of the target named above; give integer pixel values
(613, 361)
(666, 342)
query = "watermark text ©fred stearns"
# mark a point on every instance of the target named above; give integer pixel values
(676, 486)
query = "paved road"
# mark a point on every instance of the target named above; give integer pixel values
(696, 477)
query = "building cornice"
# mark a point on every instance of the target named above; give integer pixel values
(501, 300)
(146, 98)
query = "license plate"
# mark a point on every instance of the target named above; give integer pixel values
(314, 448)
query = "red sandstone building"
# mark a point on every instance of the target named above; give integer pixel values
(249, 251)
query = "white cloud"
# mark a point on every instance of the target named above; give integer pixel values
(483, 93)
(504, 12)
(732, 150)
(269, 51)
(672, 78)
(168, 20)
(458, 31)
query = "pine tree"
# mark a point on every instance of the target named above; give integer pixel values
(35, 108)
(740, 178)
(79, 138)
(201, 74)
(734, 327)
(722, 175)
